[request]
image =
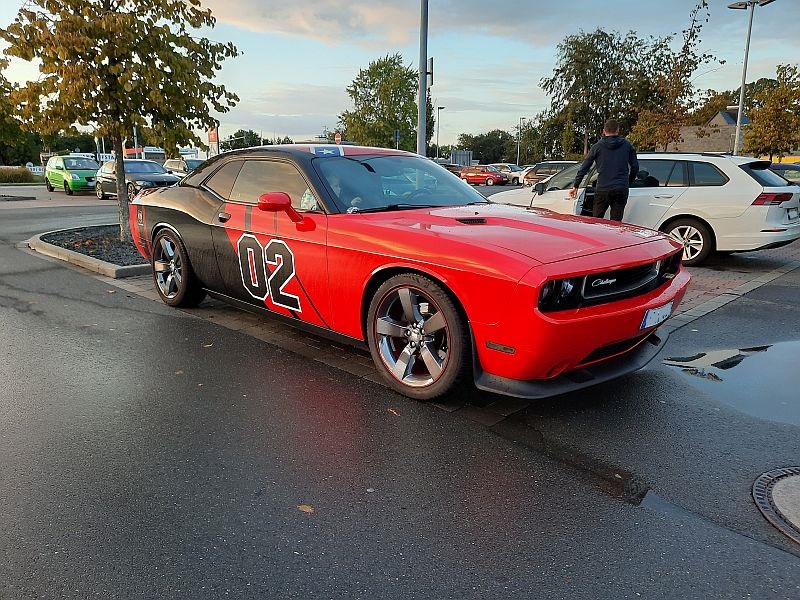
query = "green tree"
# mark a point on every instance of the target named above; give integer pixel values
(10, 129)
(243, 138)
(490, 147)
(659, 125)
(384, 100)
(603, 74)
(774, 127)
(116, 64)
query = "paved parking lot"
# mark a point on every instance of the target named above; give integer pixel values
(722, 280)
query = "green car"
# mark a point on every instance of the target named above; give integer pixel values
(70, 173)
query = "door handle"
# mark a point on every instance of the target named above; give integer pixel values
(664, 196)
(223, 217)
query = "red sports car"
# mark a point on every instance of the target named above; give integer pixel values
(387, 249)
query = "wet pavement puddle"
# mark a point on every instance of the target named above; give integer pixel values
(760, 381)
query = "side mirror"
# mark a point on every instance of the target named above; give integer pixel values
(278, 202)
(59, 168)
(539, 188)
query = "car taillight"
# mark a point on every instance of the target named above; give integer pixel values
(771, 199)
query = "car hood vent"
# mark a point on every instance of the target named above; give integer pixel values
(472, 220)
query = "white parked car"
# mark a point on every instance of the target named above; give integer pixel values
(707, 202)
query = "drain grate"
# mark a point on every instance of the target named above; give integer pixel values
(762, 494)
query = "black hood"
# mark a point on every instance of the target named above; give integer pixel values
(612, 141)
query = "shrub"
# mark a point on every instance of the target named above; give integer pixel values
(15, 175)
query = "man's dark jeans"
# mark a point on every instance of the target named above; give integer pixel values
(617, 199)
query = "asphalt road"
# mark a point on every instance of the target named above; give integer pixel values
(148, 453)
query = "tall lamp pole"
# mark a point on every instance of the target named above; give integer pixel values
(439, 110)
(519, 135)
(751, 6)
(423, 78)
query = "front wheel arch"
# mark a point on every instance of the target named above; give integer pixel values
(667, 225)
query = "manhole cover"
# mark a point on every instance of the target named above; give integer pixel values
(777, 495)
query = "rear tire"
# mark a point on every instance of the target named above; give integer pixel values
(175, 280)
(515, 181)
(98, 190)
(696, 237)
(417, 337)
(489, 181)
(48, 185)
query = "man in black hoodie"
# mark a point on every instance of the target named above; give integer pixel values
(617, 168)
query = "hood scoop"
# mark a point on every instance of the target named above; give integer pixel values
(472, 220)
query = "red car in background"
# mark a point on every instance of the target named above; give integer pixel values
(386, 249)
(483, 175)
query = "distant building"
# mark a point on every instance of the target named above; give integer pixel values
(718, 134)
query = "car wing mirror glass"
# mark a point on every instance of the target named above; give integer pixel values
(539, 188)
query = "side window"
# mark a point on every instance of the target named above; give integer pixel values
(221, 182)
(680, 175)
(655, 173)
(707, 174)
(171, 164)
(261, 176)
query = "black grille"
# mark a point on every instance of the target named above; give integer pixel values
(613, 349)
(622, 281)
(472, 220)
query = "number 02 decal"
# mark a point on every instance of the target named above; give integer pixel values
(258, 280)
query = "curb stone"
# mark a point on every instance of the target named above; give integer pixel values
(87, 262)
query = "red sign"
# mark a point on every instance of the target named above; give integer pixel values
(213, 135)
(338, 138)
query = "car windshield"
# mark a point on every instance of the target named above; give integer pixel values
(193, 163)
(392, 182)
(80, 163)
(564, 179)
(143, 166)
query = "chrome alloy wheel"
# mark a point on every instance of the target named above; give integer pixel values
(168, 268)
(692, 240)
(412, 337)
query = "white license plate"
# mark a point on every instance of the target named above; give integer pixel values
(654, 316)
(791, 213)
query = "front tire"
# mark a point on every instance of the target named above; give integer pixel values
(172, 272)
(417, 337)
(68, 189)
(696, 237)
(131, 191)
(515, 181)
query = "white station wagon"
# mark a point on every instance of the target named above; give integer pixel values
(707, 202)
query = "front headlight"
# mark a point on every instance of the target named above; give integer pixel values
(75, 176)
(560, 294)
(143, 184)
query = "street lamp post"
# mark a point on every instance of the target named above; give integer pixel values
(423, 78)
(519, 135)
(438, 119)
(744, 5)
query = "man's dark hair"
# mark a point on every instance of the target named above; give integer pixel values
(611, 126)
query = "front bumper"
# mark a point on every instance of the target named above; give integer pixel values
(571, 381)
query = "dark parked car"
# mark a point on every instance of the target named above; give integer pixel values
(139, 175)
(182, 166)
(790, 171)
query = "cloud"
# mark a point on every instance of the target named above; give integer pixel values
(331, 21)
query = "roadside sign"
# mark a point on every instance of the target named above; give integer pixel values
(337, 138)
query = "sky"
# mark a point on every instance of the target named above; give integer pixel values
(300, 56)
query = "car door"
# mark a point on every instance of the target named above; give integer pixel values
(57, 175)
(657, 187)
(107, 178)
(266, 258)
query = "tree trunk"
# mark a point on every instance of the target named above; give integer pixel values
(586, 141)
(122, 190)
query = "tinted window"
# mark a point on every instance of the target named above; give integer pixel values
(763, 175)
(653, 173)
(193, 163)
(791, 174)
(171, 164)
(261, 176)
(707, 174)
(222, 181)
(144, 166)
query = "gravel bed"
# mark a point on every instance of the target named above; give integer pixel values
(101, 242)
